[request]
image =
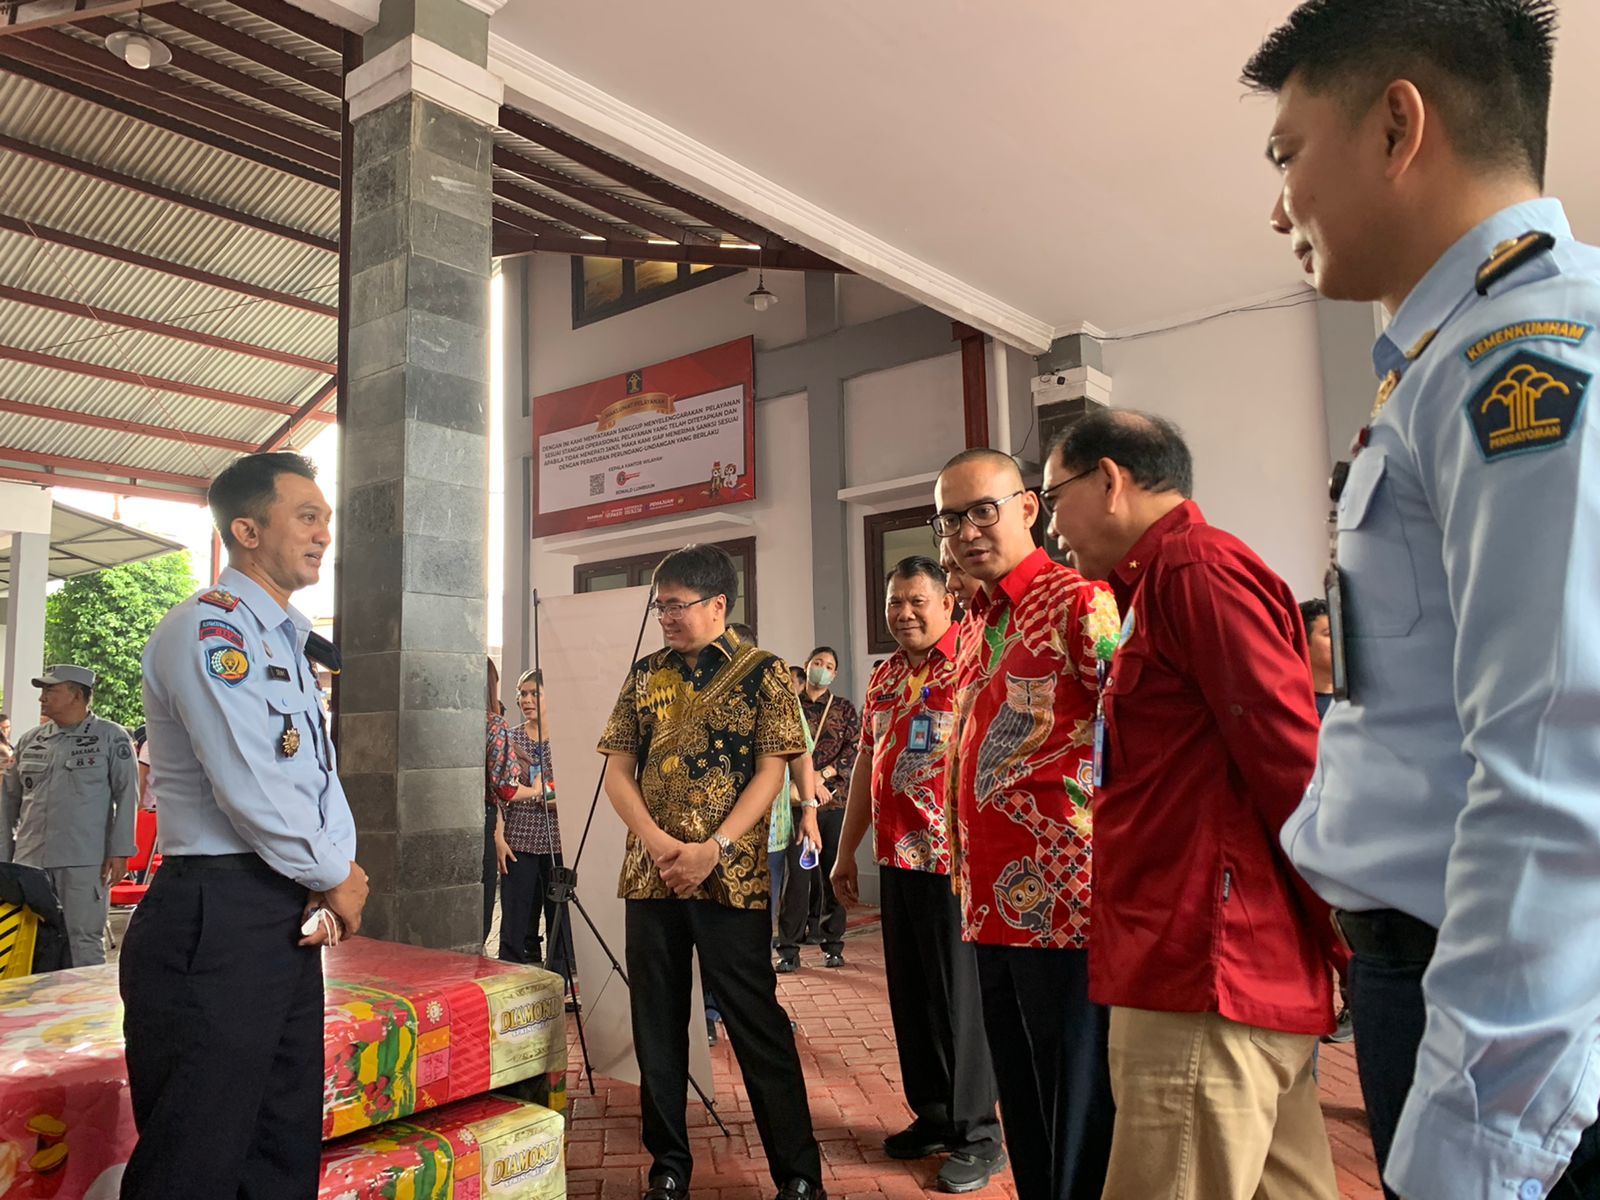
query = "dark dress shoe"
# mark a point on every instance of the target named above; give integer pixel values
(912, 1142)
(666, 1187)
(833, 960)
(785, 966)
(802, 1189)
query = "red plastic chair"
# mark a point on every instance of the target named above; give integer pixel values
(142, 866)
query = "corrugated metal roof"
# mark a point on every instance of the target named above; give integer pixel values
(46, 117)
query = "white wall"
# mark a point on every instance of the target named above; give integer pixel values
(1247, 392)
(706, 316)
(902, 421)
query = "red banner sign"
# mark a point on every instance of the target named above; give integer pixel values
(656, 441)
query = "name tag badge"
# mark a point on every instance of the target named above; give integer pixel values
(1099, 749)
(921, 739)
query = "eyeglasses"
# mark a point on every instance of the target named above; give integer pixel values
(1049, 501)
(982, 515)
(675, 609)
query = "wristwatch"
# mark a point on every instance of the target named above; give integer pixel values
(812, 803)
(725, 847)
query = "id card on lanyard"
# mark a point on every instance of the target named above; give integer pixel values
(920, 737)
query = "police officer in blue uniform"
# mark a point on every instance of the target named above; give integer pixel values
(222, 985)
(1453, 821)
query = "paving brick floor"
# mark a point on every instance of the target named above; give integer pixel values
(853, 1079)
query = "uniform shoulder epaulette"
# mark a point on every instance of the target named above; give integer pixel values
(226, 601)
(321, 652)
(1509, 255)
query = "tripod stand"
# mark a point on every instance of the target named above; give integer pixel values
(562, 892)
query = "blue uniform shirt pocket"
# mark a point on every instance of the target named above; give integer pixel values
(1380, 581)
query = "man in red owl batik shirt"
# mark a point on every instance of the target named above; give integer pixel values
(1027, 679)
(898, 789)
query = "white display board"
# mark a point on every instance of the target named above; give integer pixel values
(585, 649)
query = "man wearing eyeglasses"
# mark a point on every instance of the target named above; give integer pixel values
(696, 748)
(1026, 677)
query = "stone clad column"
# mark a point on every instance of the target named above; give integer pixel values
(413, 516)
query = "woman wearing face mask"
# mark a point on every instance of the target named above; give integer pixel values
(809, 905)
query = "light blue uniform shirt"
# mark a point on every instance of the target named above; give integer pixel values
(1461, 782)
(221, 686)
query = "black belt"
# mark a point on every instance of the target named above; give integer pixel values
(183, 863)
(1387, 933)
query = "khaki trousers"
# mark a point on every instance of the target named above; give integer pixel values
(1208, 1109)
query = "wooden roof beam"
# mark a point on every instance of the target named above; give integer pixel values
(45, 14)
(89, 484)
(67, 416)
(245, 46)
(520, 123)
(122, 254)
(237, 81)
(61, 462)
(177, 387)
(597, 198)
(71, 82)
(789, 258)
(177, 333)
(308, 412)
(208, 109)
(171, 195)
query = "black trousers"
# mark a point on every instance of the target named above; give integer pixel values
(1048, 1044)
(491, 871)
(809, 904)
(736, 964)
(223, 1024)
(937, 1008)
(522, 903)
(1388, 1011)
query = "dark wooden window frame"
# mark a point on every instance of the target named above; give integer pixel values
(632, 298)
(639, 567)
(874, 526)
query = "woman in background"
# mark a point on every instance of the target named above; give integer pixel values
(501, 785)
(528, 844)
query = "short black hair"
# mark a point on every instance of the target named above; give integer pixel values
(746, 634)
(1484, 65)
(1310, 610)
(910, 567)
(248, 487)
(1149, 448)
(823, 650)
(85, 690)
(704, 569)
(983, 454)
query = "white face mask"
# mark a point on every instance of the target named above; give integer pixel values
(819, 676)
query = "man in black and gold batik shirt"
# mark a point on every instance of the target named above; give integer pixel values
(696, 748)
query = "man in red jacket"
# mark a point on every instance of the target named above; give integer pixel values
(1211, 952)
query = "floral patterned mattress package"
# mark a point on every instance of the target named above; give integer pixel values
(406, 1030)
(478, 1149)
(411, 1029)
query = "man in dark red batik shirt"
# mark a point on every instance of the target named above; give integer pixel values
(1026, 683)
(1211, 951)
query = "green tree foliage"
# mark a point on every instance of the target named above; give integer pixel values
(102, 622)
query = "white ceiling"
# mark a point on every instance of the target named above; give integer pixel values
(1082, 162)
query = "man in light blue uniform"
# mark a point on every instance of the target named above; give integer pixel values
(223, 992)
(1454, 819)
